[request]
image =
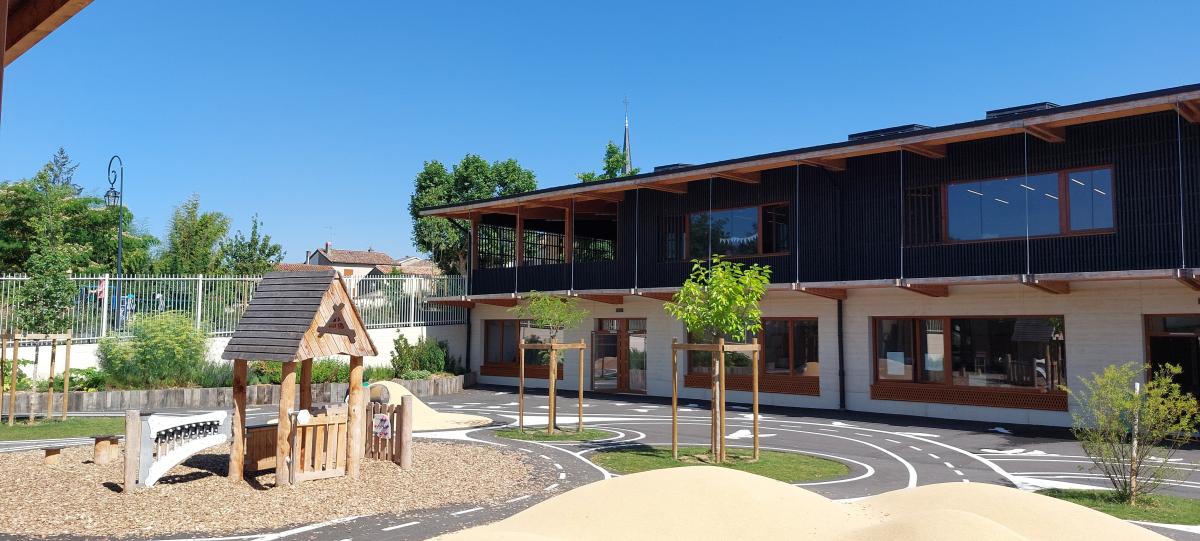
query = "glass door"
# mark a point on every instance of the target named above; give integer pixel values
(635, 348)
(605, 359)
(619, 355)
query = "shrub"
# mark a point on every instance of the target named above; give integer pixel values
(330, 370)
(82, 379)
(264, 373)
(164, 350)
(416, 374)
(215, 374)
(424, 355)
(403, 355)
(1130, 432)
(23, 382)
(378, 373)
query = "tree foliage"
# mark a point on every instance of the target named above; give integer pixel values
(253, 254)
(193, 241)
(470, 179)
(62, 171)
(721, 299)
(550, 312)
(164, 350)
(1131, 433)
(614, 165)
(44, 301)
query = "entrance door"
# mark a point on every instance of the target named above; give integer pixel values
(619, 355)
(1176, 340)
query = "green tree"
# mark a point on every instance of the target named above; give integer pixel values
(446, 239)
(193, 242)
(614, 164)
(163, 350)
(62, 171)
(550, 312)
(253, 254)
(44, 301)
(721, 299)
(1130, 432)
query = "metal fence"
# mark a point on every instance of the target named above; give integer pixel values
(105, 304)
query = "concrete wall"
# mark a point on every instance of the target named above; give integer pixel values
(1103, 323)
(84, 355)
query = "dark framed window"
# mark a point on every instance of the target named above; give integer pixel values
(739, 232)
(1043, 204)
(1011, 352)
(673, 238)
(789, 348)
(500, 338)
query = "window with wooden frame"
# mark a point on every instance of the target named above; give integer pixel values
(1022, 352)
(788, 364)
(500, 339)
(739, 232)
(1073, 201)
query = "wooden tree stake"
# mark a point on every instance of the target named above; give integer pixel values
(50, 380)
(521, 387)
(754, 391)
(579, 428)
(721, 428)
(674, 400)
(12, 382)
(550, 424)
(66, 391)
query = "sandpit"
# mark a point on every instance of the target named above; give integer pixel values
(719, 503)
(79, 498)
(424, 417)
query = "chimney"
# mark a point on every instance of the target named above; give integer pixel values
(307, 256)
(327, 246)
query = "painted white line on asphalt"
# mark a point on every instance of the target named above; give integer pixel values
(517, 499)
(557, 466)
(545, 457)
(828, 429)
(465, 511)
(398, 526)
(562, 476)
(949, 465)
(891, 440)
(1179, 527)
(551, 487)
(915, 448)
(309, 528)
(230, 538)
(935, 457)
(966, 480)
(526, 450)
(958, 472)
(863, 435)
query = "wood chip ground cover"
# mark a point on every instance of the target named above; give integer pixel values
(80, 498)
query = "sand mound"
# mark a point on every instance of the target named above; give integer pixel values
(720, 503)
(425, 417)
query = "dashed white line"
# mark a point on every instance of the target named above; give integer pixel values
(545, 457)
(891, 440)
(828, 429)
(915, 448)
(562, 476)
(966, 480)
(949, 465)
(557, 466)
(863, 435)
(958, 473)
(552, 487)
(465, 511)
(398, 526)
(935, 457)
(517, 499)
(526, 450)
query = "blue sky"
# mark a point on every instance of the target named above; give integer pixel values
(317, 117)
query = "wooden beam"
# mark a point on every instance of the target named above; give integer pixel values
(613, 197)
(1049, 134)
(736, 177)
(497, 302)
(828, 293)
(1057, 287)
(283, 432)
(608, 299)
(1189, 110)
(680, 188)
(929, 290)
(34, 20)
(568, 235)
(1188, 278)
(306, 384)
(832, 164)
(931, 151)
(657, 295)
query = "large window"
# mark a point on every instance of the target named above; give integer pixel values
(1038, 205)
(789, 348)
(737, 232)
(1020, 352)
(501, 336)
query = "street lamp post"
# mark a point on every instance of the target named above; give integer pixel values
(115, 197)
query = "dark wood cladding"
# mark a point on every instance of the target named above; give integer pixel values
(855, 224)
(995, 397)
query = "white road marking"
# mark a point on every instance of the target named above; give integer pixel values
(1000, 430)
(828, 429)
(552, 487)
(562, 476)
(398, 526)
(526, 450)
(1179, 527)
(891, 440)
(966, 480)
(917, 434)
(935, 457)
(915, 448)
(949, 465)
(739, 408)
(641, 410)
(557, 466)
(744, 434)
(309, 528)
(958, 473)
(500, 393)
(465, 511)
(545, 457)
(863, 435)
(517, 499)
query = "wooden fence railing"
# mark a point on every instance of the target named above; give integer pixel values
(389, 432)
(319, 446)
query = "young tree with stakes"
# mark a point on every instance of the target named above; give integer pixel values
(719, 299)
(556, 314)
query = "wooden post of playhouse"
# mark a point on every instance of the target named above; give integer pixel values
(520, 386)
(237, 451)
(721, 427)
(355, 419)
(66, 391)
(582, 344)
(754, 390)
(712, 430)
(133, 448)
(550, 421)
(50, 379)
(405, 435)
(306, 384)
(674, 399)
(283, 432)
(12, 381)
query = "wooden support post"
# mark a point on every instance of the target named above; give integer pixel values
(237, 452)
(712, 432)
(50, 380)
(283, 432)
(674, 400)
(754, 390)
(521, 387)
(66, 391)
(52, 456)
(579, 428)
(100, 451)
(405, 432)
(12, 382)
(550, 421)
(306, 384)
(355, 418)
(133, 448)
(721, 428)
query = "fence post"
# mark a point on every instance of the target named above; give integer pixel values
(104, 307)
(412, 301)
(199, 297)
(133, 451)
(405, 433)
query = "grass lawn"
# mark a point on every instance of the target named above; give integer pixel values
(1153, 508)
(562, 434)
(781, 466)
(73, 427)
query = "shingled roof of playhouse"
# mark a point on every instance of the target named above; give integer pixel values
(299, 315)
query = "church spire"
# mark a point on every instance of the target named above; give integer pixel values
(625, 150)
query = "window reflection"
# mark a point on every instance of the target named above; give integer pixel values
(996, 208)
(1091, 199)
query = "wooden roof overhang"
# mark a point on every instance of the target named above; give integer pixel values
(1047, 124)
(31, 20)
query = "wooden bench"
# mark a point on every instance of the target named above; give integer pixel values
(105, 449)
(52, 455)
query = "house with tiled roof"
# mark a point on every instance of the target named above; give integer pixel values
(350, 263)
